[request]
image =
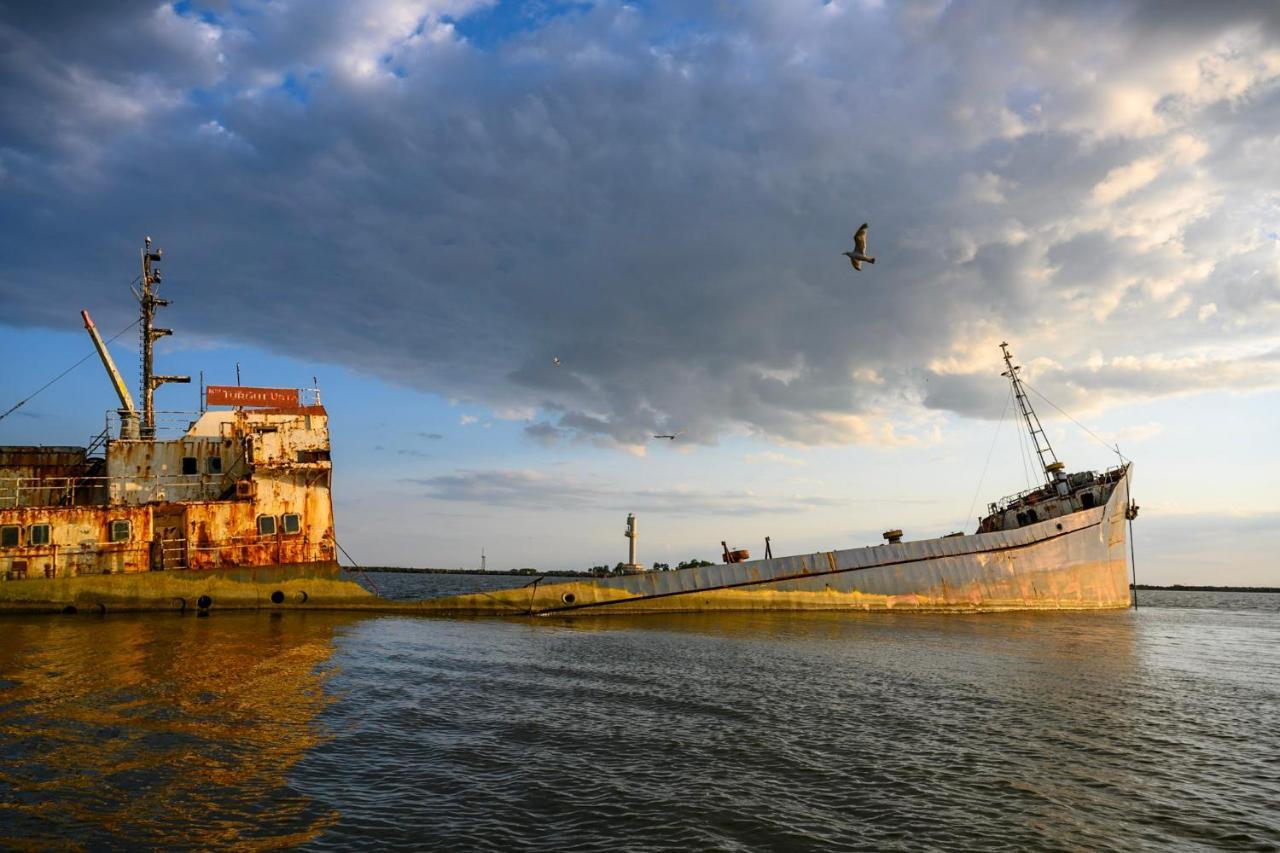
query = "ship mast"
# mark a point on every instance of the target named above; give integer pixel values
(149, 302)
(1048, 460)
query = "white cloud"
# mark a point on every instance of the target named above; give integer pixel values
(771, 457)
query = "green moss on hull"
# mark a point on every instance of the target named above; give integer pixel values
(311, 585)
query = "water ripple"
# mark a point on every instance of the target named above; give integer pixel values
(1087, 731)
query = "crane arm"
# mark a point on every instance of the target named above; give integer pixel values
(122, 391)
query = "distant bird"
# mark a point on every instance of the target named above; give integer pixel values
(859, 253)
(671, 436)
(555, 359)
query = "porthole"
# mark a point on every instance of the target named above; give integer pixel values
(204, 602)
(568, 598)
(277, 597)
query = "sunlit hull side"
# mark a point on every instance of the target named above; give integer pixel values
(1075, 561)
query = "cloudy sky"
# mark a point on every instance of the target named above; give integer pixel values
(423, 203)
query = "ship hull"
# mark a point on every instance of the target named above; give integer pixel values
(1072, 562)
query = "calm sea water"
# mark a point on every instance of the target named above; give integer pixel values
(1153, 729)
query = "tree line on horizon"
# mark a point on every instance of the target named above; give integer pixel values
(605, 571)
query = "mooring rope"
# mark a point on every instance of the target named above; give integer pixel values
(986, 464)
(90, 355)
(356, 566)
(1096, 437)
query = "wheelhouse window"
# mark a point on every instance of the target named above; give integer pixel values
(9, 536)
(266, 525)
(190, 465)
(121, 530)
(38, 534)
(291, 522)
(213, 465)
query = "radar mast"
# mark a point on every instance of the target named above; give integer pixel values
(1053, 469)
(148, 302)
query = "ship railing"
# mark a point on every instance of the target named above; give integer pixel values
(1021, 497)
(173, 554)
(170, 423)
(107, 558)
(1107, 477)
(47, 491)
(67, 561)
(175, 423)
(254, 540)
(287, 549)
(64, 491)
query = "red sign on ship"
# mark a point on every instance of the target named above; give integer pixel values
(240, 395)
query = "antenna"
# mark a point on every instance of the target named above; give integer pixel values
(148, 302)
(1048, 460)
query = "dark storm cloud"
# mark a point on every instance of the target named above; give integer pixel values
(658, 196)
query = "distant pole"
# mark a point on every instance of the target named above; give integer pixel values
(1130, 513)
(237, 373)
(1133, 561)
(768, 549)
(483, 562)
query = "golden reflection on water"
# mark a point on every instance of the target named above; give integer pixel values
(161, 730)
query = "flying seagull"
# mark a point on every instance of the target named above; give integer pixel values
(555, 359)
(671, 436)
(859, 253)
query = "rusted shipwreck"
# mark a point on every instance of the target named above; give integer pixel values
(231, 508)
(1058, 546)
(171, 510)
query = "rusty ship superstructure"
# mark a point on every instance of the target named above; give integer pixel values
(169, 509)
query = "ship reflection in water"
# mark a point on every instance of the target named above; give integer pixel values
(1143, 730)
(161, 730)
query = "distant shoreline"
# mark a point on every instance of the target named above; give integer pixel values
(1177, 587)
(562, 573)
(565, 573)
